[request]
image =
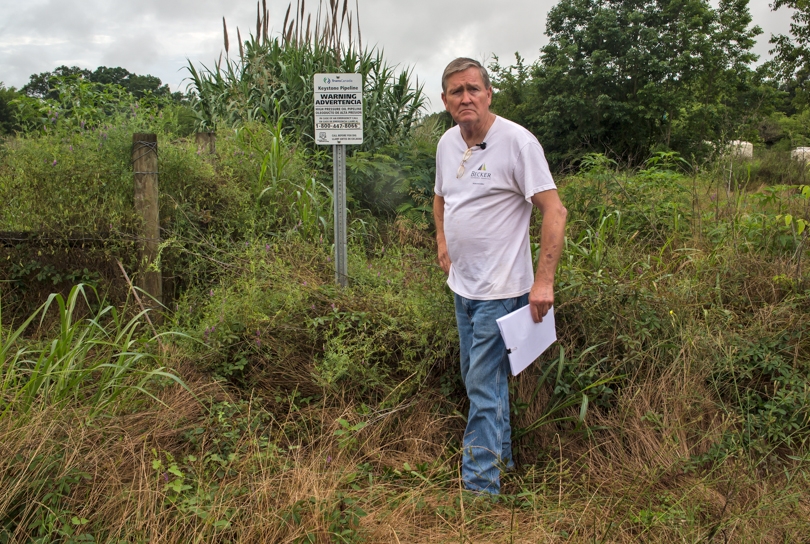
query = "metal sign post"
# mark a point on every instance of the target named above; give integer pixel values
(339, 197)
(339, 121)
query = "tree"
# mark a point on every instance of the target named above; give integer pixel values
(110, 76)
(625, 76)
(7, 123)
(41, 85)
(136, 84)
(511, 100)
(791, 61)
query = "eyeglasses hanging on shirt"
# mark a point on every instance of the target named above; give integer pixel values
(467, 155)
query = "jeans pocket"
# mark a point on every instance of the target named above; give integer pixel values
(510, 304)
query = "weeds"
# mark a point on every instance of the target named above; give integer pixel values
(674, 407)
(91, 363)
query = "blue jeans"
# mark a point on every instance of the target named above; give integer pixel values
(487, 442)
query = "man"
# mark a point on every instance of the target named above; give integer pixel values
(490, 172)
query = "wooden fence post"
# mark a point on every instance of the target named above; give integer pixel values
(207, 142)
(145, 166)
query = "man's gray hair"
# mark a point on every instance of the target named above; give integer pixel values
(461, 64)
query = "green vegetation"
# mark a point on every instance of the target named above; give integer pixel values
(626, 78)
(791, 61)
(45, 85)
(272, 81)
(7, 124)
(272, 405)
(105, 351)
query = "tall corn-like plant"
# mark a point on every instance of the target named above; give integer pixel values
(281, 69)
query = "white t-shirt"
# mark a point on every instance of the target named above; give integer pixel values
(487, 210)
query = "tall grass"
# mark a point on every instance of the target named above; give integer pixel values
(274, 75)
(90, 362)
(70, 214)
(674, 408)
(245, 473)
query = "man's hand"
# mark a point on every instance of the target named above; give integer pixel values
(541, 299)
(444, 258)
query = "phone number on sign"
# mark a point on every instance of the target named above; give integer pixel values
(336, 126)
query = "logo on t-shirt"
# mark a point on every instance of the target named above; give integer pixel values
(481, 173)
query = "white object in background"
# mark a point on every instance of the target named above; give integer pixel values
(801, 154)
(525, 340)
(741, 150)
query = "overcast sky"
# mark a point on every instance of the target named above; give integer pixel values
(158, 36)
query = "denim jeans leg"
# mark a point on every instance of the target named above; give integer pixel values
(484, 370)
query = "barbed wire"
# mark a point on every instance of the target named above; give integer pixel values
(33, 237)
(146, 148)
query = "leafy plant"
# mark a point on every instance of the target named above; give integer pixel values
(571, 386)
(93, 362)
(347, 433)
(768, 391)
(76, 104)
(274, 75)
(51, 517)
(592, 243)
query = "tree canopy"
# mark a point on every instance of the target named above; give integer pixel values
(7, 123)
(42, 85)
(626, 76)
(791, 54)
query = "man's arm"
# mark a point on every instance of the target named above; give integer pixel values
(438, 218)
(552, 238)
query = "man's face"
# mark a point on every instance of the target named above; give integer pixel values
(466, 99)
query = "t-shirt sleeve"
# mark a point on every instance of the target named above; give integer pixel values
(532, 172)
(437, 187)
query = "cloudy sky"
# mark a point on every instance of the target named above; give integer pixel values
(158, 37)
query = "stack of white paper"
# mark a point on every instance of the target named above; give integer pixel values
(525, 340)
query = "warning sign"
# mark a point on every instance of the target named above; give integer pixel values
(338, 109)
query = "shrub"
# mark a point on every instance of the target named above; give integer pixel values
(278, 319)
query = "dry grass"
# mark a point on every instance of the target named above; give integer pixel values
(628, 482)
(269, 464)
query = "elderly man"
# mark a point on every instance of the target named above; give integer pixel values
(490, 173)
